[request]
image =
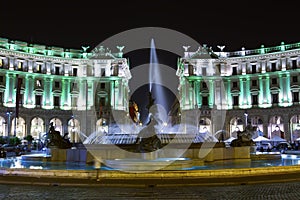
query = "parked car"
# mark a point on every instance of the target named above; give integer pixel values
(265, 146)
(12, 148)
(282, 146)
(2, 152)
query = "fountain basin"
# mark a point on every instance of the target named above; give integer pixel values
(150, 165)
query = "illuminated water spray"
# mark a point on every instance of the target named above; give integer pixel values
(155, 80)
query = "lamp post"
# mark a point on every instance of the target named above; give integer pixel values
(8, 124)
(246, 118)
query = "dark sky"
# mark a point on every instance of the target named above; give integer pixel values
(72, 24)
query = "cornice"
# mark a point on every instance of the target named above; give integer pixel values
(53, 59)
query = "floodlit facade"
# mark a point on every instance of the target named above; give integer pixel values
(258, 87)
(58, 85)
(51, 84)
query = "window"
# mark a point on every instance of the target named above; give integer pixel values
(102, 71)
(273, 67)
(234, 84)
(255, 99)
(38, 101)
(102, 101)
(205, 101)
(295, 96)
(57, 70)
(253, 69)
(38, 83)
(38, 68)
(274, 98)
(295, 79)
(56, 101)
(102, 85)
(254, 83)
(234, 71)
(274, 81)
(203, 71)
(1, 79)
(20, 66)
(235, 100)
(75, 71)
(204, 86)
(56, 84)
(294, 64)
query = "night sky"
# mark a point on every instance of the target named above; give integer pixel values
(72, 24)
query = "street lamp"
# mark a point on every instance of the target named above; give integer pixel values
(8, 123)
(246, 118)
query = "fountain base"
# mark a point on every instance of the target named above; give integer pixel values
(150, 164)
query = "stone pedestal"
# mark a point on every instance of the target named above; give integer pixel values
(76, 155)
(58, 155)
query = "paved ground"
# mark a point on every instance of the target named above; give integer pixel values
(278, 191)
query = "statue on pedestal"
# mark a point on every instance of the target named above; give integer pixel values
(244, 138)
(147, 138)
(54, 139)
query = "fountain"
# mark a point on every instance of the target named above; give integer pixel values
(154, 146)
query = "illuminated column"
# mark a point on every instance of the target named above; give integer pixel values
(184, 94)
(48, 67)
(247, 92)
(9, 96)
(82, 97)
(197, 93)
(228, 93)
(90, 94)
(285, 96)
(288, 89)
(65, 97)
(47, 96)
(11, 61)
(263, 66)
(211, 94)
(283, 64)
(120, 95)
(112, 93)
(244, 65)
(29, 92)
(192, 102)
(30, 66)
(241, 97)
(281, 94)
(264, 93)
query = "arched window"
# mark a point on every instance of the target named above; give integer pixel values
(18, 127)
(37, 129)
(74, 130)
(57, 125)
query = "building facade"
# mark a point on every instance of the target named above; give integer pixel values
(51, 84)
(258, 87)
(77, 90)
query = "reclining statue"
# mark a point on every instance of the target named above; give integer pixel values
(54, 139)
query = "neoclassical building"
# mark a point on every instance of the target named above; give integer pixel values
(77, 90)
(59, 85)
(258, 87)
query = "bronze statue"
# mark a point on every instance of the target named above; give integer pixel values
(147, 138)
(244, 138)
(54, 139)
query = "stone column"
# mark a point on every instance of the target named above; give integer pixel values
(211, 102)
(47, 96)
(29, 92)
